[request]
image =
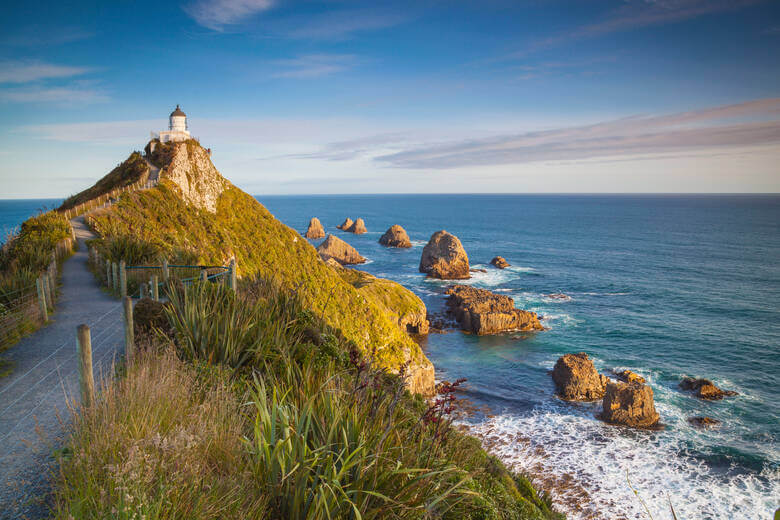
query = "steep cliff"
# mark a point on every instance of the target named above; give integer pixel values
(195, 209)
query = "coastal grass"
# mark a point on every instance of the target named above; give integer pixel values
(288, 420)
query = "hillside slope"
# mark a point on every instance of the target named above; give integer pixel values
(196, 210)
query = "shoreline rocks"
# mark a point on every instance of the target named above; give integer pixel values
(483, 312)
(703, 422)
(577, 379)
(315, 229)
(628, 376)
(500, 262)
(395, 236)
(705, 389)
(358, 227)
(443, 257)
(338, 250)
(346, 224)
(629, 404)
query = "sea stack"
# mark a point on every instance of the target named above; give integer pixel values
(358, 227)
(629, 404)
(499, 262)
(395, 237)
(315, 229)
(346, 224)
(482, 312)
(335, 248)
(577, 379)
(443, 257)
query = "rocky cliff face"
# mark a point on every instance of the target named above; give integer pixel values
(192, 171)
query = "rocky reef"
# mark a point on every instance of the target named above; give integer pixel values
(628, 376)
(705, 389)
(443, 257)
(315, 229)
(395, 236)
(577, 379)
(482, 312)
(335, 248)
(629, 404)
(358, 227)
(499, 262)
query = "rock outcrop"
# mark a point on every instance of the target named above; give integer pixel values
(577, 379)
(483, 312)
(628, 376)
(315, 229)
(704, 422)
(705, 389)
(192, 171)
(443, 257)
(358, 227)
(346, 224)
(335, 248)
(629, 404)
(500, 262)
(395, 237)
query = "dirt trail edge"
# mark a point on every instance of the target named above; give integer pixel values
(33, 399)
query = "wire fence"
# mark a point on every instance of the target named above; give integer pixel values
(25, 309)
(107, 199)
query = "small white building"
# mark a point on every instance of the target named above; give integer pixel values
(177, 128)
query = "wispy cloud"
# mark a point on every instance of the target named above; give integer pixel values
(37, 35)
(218, 14)
(636, 14)
(342, 24)
(26, 72)
(313, 65)
(746, 124)
(70, 95)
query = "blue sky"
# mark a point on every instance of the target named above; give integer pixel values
(375, 97)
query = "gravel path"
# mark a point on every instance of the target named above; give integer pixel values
(33, 399)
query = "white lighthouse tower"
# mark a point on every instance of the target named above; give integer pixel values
(177, 128)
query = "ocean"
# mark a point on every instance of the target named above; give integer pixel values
(14, 212)
(666, 286)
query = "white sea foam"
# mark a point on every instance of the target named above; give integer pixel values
(586, 462)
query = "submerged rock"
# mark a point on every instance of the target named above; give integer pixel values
(629, 404)
(628, 376)
(315, 229)
(704, 389)
(395, 237)
(358, 227)
(703, 422)
(577, 379)
(443, 257)
(500, 262)
(558, 296)
(338, 250)
(346, 224)
(483, 312)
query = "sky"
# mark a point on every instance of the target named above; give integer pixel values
(450, 96)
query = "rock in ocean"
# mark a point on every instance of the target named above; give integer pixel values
(500, 262)
(483, 312)
(577, 379)
(629, 404)
(705, 389)
(443, 257)
(395, 237)
(358, 227)
(346, 224)
(335, 248)
(315, 229)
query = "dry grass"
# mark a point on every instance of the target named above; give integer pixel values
(164, 442)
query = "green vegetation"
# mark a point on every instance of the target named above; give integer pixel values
(129, 172)
(263, 247)
(282, 419)
(22, 259)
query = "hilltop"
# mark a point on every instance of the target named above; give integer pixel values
(197, 214)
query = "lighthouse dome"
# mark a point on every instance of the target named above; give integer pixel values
(178, 112)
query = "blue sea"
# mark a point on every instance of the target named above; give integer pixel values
(666, 286)
(14, 212)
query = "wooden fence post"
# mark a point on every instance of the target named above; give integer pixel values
(165, 270)
(122, 278)
(232, 274)
(108, 274)
(86, 377)
(114, 276)
(155, 288)
(47, 291)
(129, 335)
(204, 275)
(42, 299)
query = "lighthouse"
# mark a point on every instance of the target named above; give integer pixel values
(177, 128)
